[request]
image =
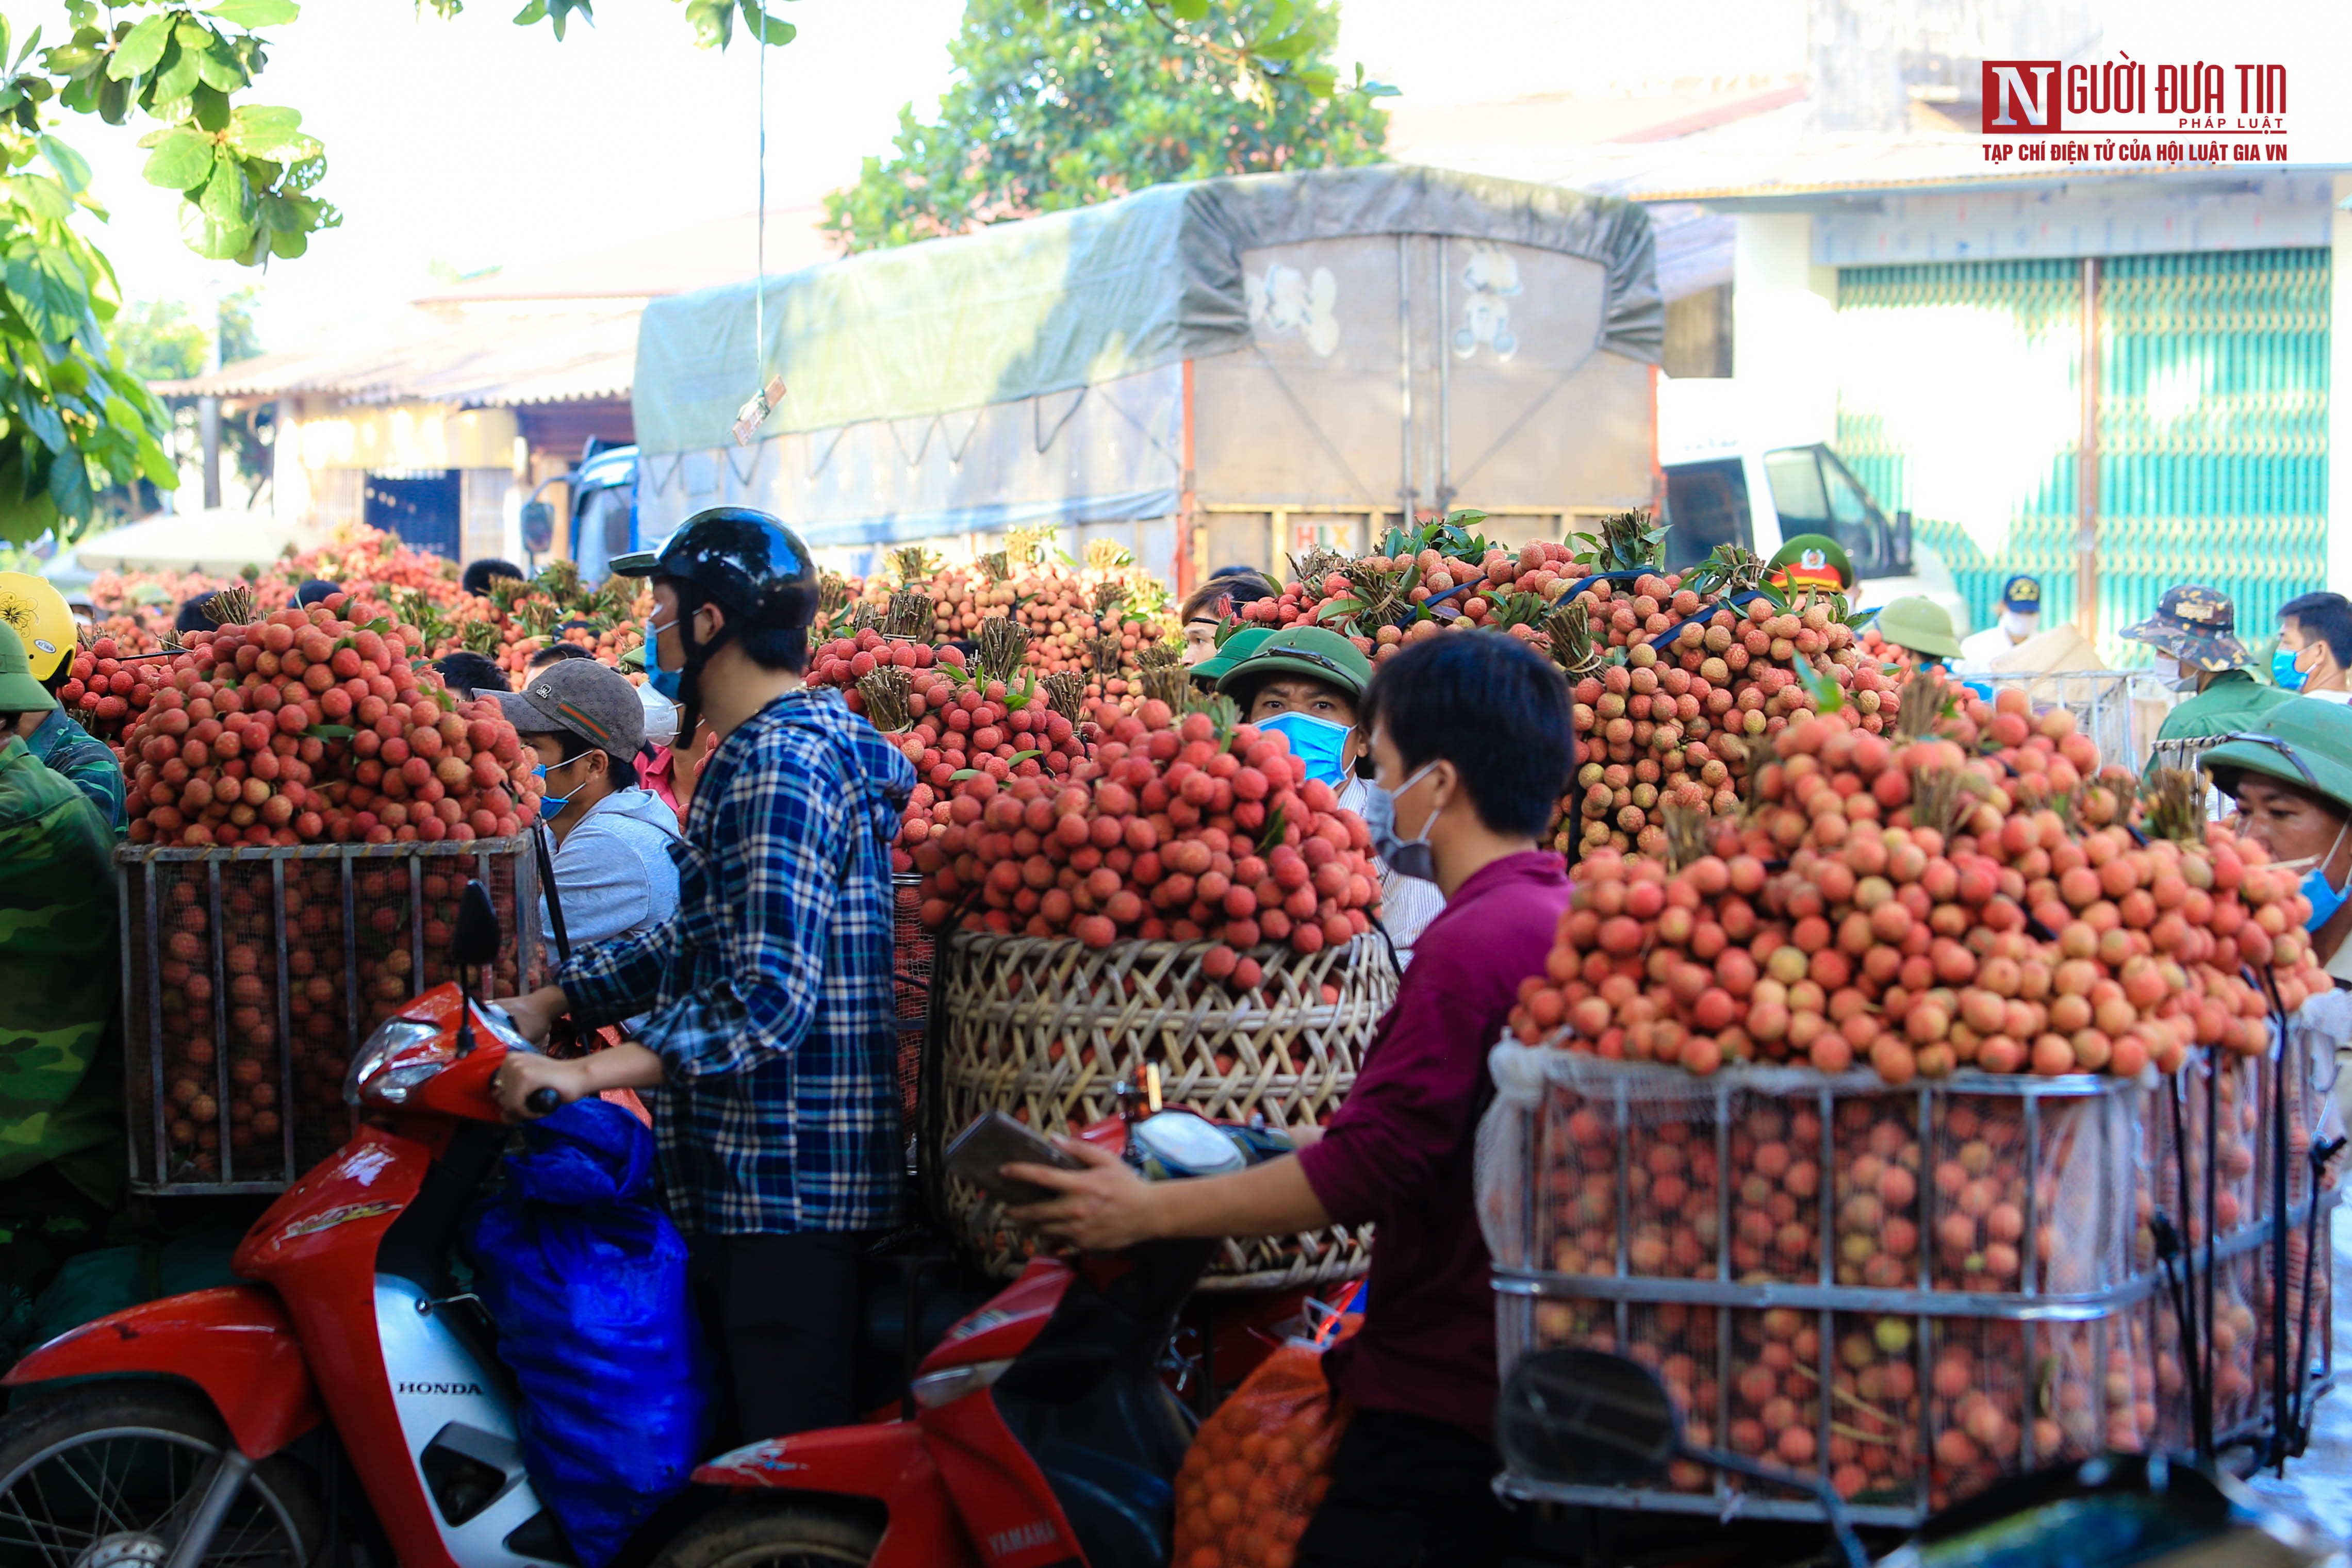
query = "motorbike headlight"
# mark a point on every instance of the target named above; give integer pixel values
(934, 1389)
(401, 1054)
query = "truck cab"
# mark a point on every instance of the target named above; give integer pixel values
(1737, 476)
(603, 509)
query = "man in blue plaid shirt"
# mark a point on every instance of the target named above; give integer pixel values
(770, 1059)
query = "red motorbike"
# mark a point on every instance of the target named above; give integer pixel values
(208, 1439)
(234, 1424)
(1041, 1429)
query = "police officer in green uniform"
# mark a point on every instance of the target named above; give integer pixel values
(58, 959)
(2194, 634)
(1811, 561)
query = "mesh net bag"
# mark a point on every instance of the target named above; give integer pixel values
(1259, 1466)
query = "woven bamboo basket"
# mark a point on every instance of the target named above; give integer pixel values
(1047, 1028)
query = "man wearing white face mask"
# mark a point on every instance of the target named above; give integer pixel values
(1304, 685)
(2193, 634)
(2021, 618)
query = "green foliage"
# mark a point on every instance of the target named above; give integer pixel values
(713, 21)
(75, 419)
(1063, 103)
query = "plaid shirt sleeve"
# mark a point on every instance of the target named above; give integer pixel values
(784, 837)
(609, 981)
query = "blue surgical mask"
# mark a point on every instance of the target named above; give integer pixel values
(1406, 857)
(661, 680)
(1320, 743)
(2324, 900)
(551, 806)
(2283, 671)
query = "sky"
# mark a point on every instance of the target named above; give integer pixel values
(474, 142)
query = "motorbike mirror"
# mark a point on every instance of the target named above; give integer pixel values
(537, 526)
(477, 935)
(1584, 1417)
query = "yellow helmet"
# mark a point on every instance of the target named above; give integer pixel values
(41, 618)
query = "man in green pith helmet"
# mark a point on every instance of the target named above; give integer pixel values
(1920, 631)
(2194, 635)
(2290, 771)
(58, 952)
(1238, 645)
(1304, 683)
(1815, 561)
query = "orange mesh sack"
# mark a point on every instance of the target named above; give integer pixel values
(1259, 1466)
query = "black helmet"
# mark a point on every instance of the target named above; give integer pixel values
(746, 561)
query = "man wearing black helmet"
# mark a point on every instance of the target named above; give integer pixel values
(769, 1052)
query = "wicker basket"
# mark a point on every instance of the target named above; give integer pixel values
(1046, 1028)
(250, 977)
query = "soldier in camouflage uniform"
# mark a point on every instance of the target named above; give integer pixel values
(2194, 634)
(45, 623)
(58, 951)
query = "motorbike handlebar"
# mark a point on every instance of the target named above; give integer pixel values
(541, 1101)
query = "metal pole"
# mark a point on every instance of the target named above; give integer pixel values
(1405, 378)
(2086, 470)
(1191, 534)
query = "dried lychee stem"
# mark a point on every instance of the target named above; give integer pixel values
(1066, 694)
(230, 607)
(1167, 683)
(886, 692)
(1003, 643)
(2176, 805)
(910, 614)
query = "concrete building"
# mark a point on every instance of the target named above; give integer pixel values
(2115, 378)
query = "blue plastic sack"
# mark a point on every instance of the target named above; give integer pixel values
(587, 1282)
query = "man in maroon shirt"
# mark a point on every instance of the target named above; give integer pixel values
(1470, 735)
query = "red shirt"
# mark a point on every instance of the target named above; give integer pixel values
(1400, 1150)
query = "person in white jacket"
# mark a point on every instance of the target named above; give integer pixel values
(613, 872)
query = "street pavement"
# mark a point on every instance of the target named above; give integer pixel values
(2317, 1487)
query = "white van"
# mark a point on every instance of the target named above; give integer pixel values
(1732, 478)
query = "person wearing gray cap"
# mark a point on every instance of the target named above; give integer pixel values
(612, 871)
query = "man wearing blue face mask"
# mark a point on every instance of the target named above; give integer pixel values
(1304, 685)
(2291, 777)
(2314, 657)
(612, 868)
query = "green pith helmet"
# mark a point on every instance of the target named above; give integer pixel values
(19, 692)
(1231, 651)
(1920, 626)
(1812, 560)
(1315, 651)
(2303, 742)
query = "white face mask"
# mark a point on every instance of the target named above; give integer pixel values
(2018, 625)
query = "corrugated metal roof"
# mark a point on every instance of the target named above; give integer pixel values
(1778, 157)
(472, 359)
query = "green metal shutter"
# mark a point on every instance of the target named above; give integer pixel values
(2211, 426)
(2213, 431)
(2042, 301)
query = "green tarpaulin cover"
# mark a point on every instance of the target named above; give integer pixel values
(1079, 298)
